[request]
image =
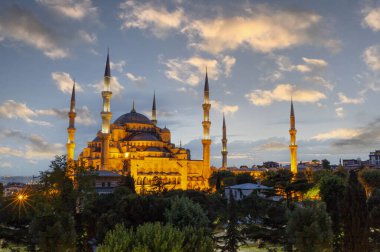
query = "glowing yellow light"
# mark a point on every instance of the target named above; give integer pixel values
(22, 197)
(126, 155)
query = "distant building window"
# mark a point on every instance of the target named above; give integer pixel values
(103, 184)
(109, 184)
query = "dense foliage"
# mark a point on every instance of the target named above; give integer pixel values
(61, 215)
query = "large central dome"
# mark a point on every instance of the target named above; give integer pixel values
(132, 117)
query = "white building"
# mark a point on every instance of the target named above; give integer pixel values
(242, 191)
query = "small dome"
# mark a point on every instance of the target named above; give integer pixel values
(165, 130)
(143, 137)
(132, 117)
(153, 149)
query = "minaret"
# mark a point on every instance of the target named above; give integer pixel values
(224, 144)
(293, 146)
(206, 141)
(106, 116)
(154, 118)
(70, 146)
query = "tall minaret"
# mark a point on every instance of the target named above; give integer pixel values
(224, 144)
(154, 117)
(293, 146)
(106, 115)
(70, 146)
(206, 141)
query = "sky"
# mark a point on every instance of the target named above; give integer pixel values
(259, 54)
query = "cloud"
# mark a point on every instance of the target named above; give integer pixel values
(35, 146)
(7, 151)
(11, 109)
(261, 28)
(367, 138)
(138, 80)
(371, 57)
(316, 62)
(192, 70)
(116, 87)
(337, 134)
(283, 92)
(339, 112)
(312, 68)
(118, 66)
(87, 37)
(343, 99)
(23, 26)
(84, 115)
(319, 80)
(64, 82)
(273, 146)
(371, 18)
(73, 9)
(227, 109)
(158, 19)
(5, 164)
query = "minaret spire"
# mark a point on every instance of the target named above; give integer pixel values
(206, 141)
(293, 146)
(70, 145)
(133, 107)
(106, 115)
(154, 117)
(224, 144)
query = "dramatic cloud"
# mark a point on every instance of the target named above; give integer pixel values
(87, 37)
(35, 146)
(84, 115)
(343, 99)
(371, 18)
(337, 134)
(23, 26)
(118, 66)
(283, 92)
(157, 19)
(12, 109)
(192, 70)
(371, 57)
(262, 29)
(368, 137)
(74, 9)
(64, 82)
(227, 109)
(138, 80)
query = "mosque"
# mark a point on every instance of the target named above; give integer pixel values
(133, 144)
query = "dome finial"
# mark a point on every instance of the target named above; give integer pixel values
(133, 107)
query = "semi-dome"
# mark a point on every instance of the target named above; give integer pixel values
(144, 137)
(132, 117)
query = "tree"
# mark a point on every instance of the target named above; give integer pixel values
(332, 191)
(326, 164)
(183, 212)
(156, 237)
(242, 178)
(233, 235)
(370, 179)
(374, 219)
(129, 182)
(309, 228)
(355, 216)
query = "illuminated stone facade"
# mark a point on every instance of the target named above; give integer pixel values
(134, 144)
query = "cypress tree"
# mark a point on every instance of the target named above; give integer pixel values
(355, 216)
